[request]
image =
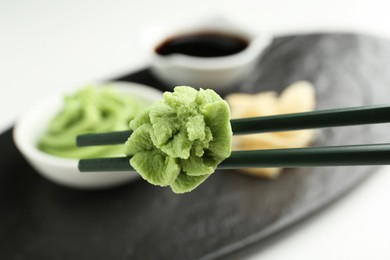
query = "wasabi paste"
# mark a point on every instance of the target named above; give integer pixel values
(91, 109)
(180, 140)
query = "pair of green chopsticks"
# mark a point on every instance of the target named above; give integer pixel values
(366, 154)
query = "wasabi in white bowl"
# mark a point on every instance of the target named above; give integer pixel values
(34, 124)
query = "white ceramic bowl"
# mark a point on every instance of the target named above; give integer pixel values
(216, 72)
(34, 122)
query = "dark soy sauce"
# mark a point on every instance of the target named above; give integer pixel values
(203, 44)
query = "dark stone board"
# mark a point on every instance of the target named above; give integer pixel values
(41, 220)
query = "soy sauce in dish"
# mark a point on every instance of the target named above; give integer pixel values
(203, 44)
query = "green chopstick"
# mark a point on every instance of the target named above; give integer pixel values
(116, 137)
(347, 155)
(286, 122)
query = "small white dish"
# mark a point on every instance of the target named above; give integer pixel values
(211, 72)
(31, 125)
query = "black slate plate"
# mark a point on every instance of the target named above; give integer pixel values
(40, 220)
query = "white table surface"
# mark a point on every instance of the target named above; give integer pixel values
(47, 46)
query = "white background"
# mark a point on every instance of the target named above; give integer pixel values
(51, 46)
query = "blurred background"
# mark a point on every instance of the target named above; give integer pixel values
(51, 46)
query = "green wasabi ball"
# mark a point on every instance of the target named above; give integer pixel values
(180, 140)
(91, 109)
